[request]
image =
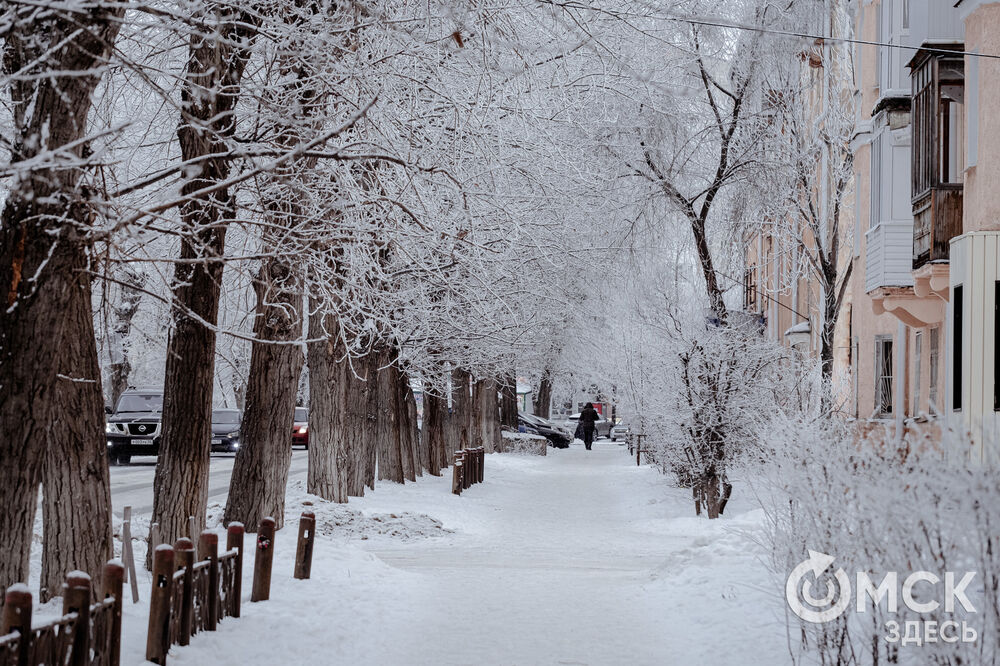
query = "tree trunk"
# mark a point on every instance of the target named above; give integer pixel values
(461, 412)
(542, 401)
(359, 424)
(329, 464)
(121, 367)
(209, 95)
(390, 461)
(435, 416)
(487, 414)
(76, 483)
(406, 447)
(44, 281)
(260, 473)
(508, 402)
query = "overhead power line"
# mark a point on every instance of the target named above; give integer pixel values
(722, 23)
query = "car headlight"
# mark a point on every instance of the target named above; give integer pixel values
(110, 428)
(234, 434)
(303, 430)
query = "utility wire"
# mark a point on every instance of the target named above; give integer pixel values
(722, 23)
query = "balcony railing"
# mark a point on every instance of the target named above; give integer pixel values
(937, 218)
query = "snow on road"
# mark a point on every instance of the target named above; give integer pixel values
(575, 558)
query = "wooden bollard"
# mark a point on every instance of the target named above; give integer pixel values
(262, 561)
(158, 632)
(17, 617)
(76, 599)
(114, 585)
(456, 477)
(234, 540)
(184, 559)
(482, 465)
(467, 468)
(304, 549)
(208, 549)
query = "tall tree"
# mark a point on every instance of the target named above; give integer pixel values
(218, 51)
(53, 60)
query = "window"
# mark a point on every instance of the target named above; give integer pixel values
(750, 290)
(938, 108)
(934, 363)
(876, 179)
(918, 350)
(883, 375)
(956, 342)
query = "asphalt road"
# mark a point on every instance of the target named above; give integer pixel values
(132, 485)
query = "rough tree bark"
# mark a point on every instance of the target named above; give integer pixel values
(487, 414)
(44, 282)
(461, 410)
(260, 472)
(410, 404)
(329, 462)
(76, 483)
(542, 400)
(433, 432)
(209, 96)
(360, 427)
(390, 461)
(508, 402)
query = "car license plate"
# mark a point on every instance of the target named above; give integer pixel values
(142, 442)
(216, 441)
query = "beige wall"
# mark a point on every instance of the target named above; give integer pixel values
(982, 193)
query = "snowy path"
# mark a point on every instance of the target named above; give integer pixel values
(576, 558)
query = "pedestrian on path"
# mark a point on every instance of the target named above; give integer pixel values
(588, 421)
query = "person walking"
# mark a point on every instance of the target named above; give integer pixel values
(588, 423)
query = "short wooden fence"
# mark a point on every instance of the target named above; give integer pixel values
(188, 596)
(468, 469)
(86, 633)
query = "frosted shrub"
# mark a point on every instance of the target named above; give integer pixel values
(879, 505)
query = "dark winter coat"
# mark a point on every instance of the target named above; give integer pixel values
(588, 417)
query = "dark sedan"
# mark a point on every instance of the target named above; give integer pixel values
(226, 430)
(558, 436)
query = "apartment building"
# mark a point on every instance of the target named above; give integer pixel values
(930, 251)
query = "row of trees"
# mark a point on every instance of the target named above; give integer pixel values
(375, 193)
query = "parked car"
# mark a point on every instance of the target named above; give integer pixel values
(226, 430)
(133, 428)
(557, 435)
(619, 431)
(602, 425)
(300, 429)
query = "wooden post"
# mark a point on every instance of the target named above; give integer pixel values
(184, 559)
(128, 555)
(76, 599)
(158, 631)
(154, 535)
(304, 549)
(114, 583)
(638, 450)
(262, 561)
(234, 540)
(17, 617)
(456, 477)
(208, 548)
(482, 464)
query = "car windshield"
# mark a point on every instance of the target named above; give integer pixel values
(140, 402)
(226, 417)
(301, 414)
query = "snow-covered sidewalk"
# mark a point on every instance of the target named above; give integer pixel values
(579, 557)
